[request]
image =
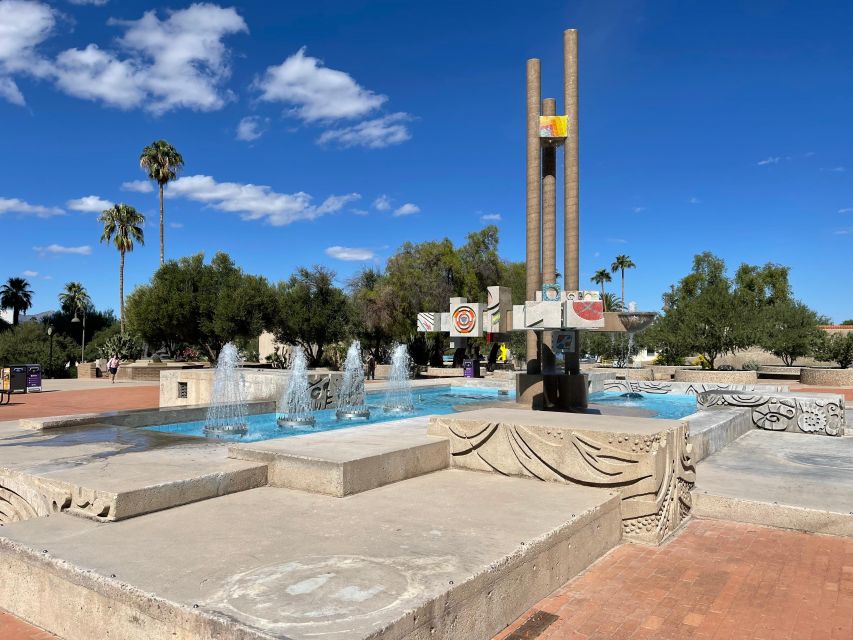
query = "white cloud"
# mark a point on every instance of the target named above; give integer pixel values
(834, 169)
(29, 274)
(24, 24)
(256, 202)
(250, 128)
(617, 240)
(407, 209)
(491, 217)
(770, 160)
(94, 3)
(139, 186)
(638, 209)
(360, 212)
(15, 205)
(179, 62)
(846, 210)
(89, 204)
(694, 200)
(382, 203)
(350, 254)
(316, 92)
(83, 250)
(176, 225)
(373, 134)
(844, 232)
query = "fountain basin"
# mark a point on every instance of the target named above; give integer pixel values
(227, 429)
(296, 421)
(633, 321)
(352, 414)
(401, 408)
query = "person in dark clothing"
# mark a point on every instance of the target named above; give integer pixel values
(371, 367)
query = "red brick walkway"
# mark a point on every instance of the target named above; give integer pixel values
(715, 581)
(847, 392)
(12, 628)
(61, 403)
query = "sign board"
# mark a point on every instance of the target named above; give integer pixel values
(465, 320)
(563, 342)
(33, 378)
(427, 322)
(5, 375)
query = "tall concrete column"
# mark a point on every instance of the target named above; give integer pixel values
(571, 198)
(534, 204)
(549, 227)
(571, 212)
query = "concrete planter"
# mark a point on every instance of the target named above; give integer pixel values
(726, 377)
(826, 377)
(626, 373)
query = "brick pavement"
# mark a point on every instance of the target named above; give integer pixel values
(12, 628)
(61, 403)
(715, 581)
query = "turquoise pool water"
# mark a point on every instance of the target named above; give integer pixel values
(668, 405)
(431, 401)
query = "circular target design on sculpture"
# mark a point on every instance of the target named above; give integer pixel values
(589, 310)
(464, 319)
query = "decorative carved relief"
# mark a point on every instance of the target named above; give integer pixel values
(22, 500)
(89, 502)
(664, 387)
(822, 416)
(652, 472)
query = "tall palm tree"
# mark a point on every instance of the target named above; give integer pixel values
(74, 298)
(162, 162)
(17, 296)
(600, 277)
(123, 226)
(620, 264)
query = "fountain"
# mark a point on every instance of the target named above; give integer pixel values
(351, 396)
(295, 403)
(227, 412)
(399, 396)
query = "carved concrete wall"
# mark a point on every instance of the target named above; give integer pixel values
(653, 472)
(820, 414)
(684, 388)
(25, 497)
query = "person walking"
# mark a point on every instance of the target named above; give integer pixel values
(113, 366)
(371, 367)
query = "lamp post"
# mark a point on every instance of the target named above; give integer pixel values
(76, 319)
(50, 357)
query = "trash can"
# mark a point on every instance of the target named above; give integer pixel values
(33, 378)
(471, 368)
(18, 378)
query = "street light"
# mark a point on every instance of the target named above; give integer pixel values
(50, 357)
(76, 319)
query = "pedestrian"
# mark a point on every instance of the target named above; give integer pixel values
(371, 367)
(113, 366)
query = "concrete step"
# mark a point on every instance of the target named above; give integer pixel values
(454, 555)
(112, 473)
(779, 479)
(348, 461)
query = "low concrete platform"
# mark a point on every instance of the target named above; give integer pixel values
(787, 480)
(111, 473)
(452, 554)
(347, 461)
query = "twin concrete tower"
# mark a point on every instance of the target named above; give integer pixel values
(546, 131)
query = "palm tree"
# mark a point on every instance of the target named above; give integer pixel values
(162, 162)
(612, 303)
(600, 277)
(74, 298)
(122, 225)
(17, 296)
(620, 264)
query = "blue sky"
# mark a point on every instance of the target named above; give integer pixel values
(332, 132)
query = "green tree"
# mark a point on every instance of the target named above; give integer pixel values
(600, 277)
(612, 303)
(313, 312)
(190, 303)
(16, 295)
(836, 347)
(74, 298)
(621, 263)
(790, 330)
(161, 161)
(29, 343)
(123, 227)
(374, 309)
(847, 323)
(480, 263)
